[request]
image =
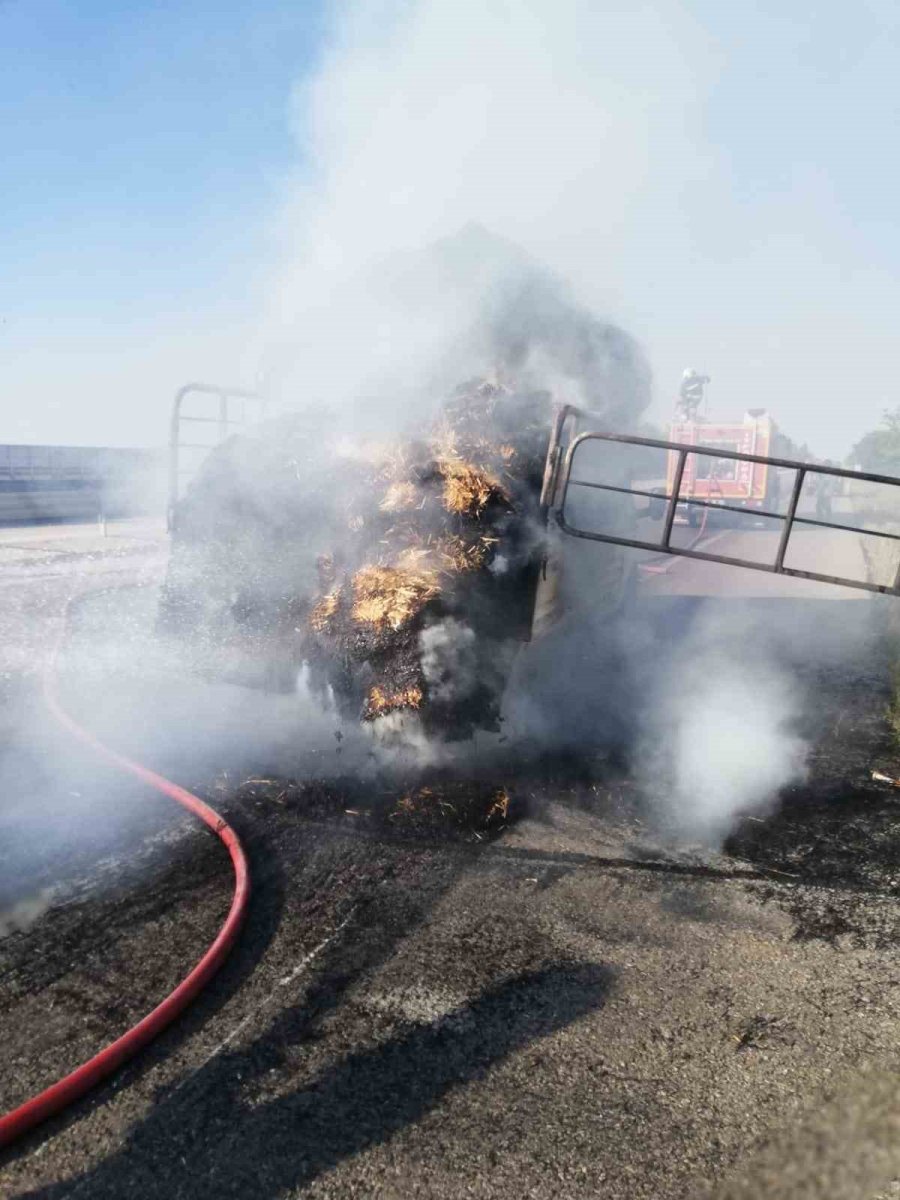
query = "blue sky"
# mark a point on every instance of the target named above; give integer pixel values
(142, 144)
(737, 212)
(143, 150)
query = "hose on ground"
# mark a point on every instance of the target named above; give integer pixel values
(74, 1085)
(652, 568)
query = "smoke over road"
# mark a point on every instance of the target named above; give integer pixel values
(720, 736)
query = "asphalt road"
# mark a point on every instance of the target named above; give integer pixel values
(42, 570)
(822, 551)
(576, 1006)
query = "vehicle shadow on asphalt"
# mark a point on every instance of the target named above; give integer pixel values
(227, 1147)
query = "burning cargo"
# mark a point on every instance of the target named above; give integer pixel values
(406, 586)
(399, 577)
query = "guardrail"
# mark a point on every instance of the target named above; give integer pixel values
(45, 483)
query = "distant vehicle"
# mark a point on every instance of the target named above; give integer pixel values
(728, 481)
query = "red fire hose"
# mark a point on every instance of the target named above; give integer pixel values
(664, 568)
(652, 568)
(71, 1087)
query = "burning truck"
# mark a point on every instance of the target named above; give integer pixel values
(400, 578)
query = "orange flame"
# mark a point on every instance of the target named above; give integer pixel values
(500, 807)
(321, 615)
(379, 702)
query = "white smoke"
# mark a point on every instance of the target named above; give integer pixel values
(450, 660)
(541, 120)
(731, 748)
(574, 131)
(550, 124)
(19, 917)
(721, 730)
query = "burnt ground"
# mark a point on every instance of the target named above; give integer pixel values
(437, 997)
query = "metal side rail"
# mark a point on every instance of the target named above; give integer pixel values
(563, 455)
(234, 408)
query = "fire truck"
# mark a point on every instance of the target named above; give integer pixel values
(728, 481)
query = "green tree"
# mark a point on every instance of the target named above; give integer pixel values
(879, 450)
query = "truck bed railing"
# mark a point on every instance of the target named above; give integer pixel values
(232, 408)
(562, 457)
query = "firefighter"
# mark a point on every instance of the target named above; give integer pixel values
(691, 394)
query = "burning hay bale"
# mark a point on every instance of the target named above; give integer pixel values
(388, 596)
(468, 489)
(438, 570)
(379, 702)
(405, 587)
(401, 578)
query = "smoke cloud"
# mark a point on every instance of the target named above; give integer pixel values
(721, 733)
(20, 916)
(478, 178)
(431, 129)
(549, 125)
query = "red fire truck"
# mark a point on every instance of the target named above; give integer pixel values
(726, 480)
